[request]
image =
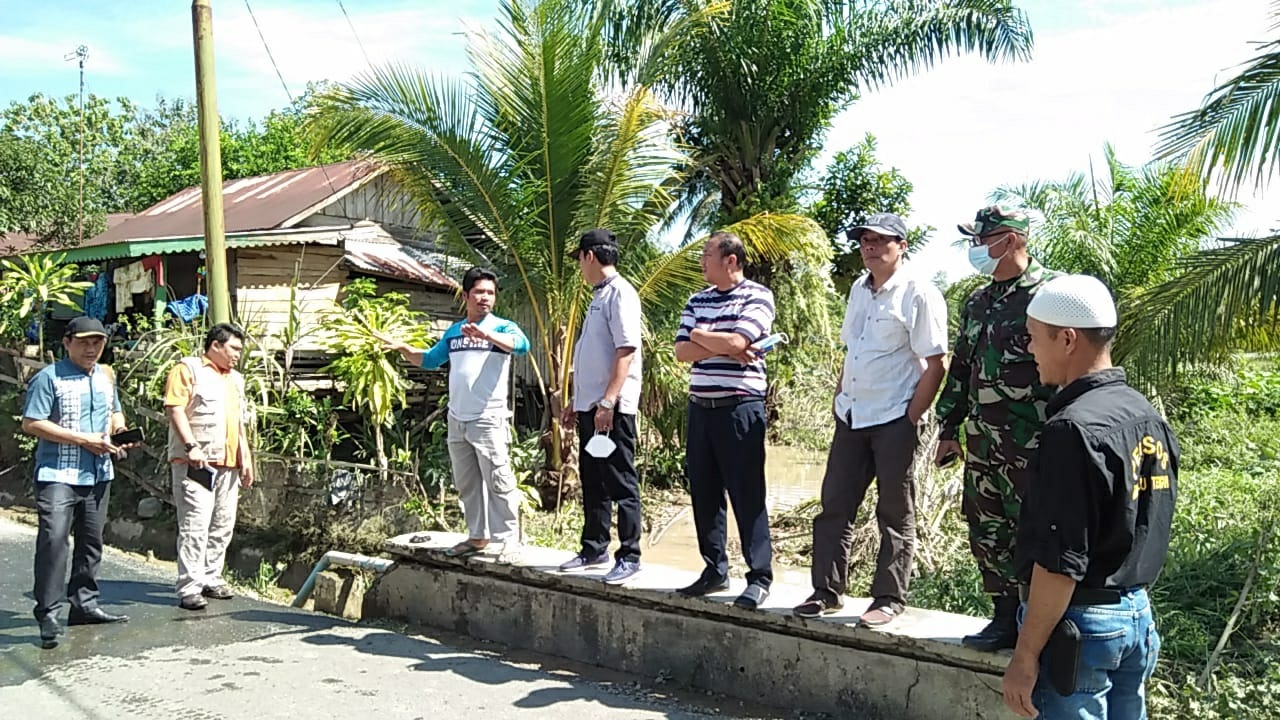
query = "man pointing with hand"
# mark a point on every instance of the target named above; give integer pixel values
(479, 349)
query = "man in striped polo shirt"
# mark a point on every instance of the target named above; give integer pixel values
(726, 422)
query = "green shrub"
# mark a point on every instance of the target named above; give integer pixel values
(1255, 391)
(1229, 493)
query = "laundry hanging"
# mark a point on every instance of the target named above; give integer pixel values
(130, 279)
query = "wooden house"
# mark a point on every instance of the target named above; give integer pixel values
(292, 237)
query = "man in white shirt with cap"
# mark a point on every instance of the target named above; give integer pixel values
(607, 367)
(895, 332)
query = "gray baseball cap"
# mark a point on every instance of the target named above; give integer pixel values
(883, 223)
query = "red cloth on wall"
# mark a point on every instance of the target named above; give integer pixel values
(156, 265)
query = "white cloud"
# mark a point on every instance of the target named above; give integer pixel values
(966, 127)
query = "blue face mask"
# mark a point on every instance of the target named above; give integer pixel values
(981, 260)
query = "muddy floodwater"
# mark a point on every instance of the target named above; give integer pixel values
(792, 476)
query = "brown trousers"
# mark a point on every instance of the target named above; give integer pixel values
(883, 453)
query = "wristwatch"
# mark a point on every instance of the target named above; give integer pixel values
(606, 403)
(191, 446)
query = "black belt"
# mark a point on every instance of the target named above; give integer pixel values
(1087, 595)
(711, 403)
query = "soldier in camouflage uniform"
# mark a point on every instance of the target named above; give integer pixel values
(993, 389)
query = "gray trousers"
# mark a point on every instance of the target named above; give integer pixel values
(206, 521)
(883, 453)
(62, 510)
(482, 473)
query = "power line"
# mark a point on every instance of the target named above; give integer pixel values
(354, 33)
(280, 75)
(266, 47)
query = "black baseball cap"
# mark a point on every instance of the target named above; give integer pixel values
(598, 237)
(84, 326)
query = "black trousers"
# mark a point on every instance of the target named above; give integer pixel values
(725, 452)
(64, 510)
(883, 453)
(609, 481)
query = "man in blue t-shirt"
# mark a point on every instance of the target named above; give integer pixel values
(478, 350)
(73, 409)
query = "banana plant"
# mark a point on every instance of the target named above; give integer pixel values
(372, 380)
(32, 284)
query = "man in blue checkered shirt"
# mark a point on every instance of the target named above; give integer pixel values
(73, 408)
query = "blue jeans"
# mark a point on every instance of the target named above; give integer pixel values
(1117, 656)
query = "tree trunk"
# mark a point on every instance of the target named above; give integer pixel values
(382, 455)
(559, 440)
(40, 329)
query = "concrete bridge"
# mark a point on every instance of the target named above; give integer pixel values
(915, 669)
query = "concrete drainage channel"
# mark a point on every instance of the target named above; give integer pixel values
(916, 670)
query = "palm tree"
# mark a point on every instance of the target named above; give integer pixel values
(1236, 131)
(538, 144)
(1228, 294)
(1127, 227)
(760, 84)
(1131, 227)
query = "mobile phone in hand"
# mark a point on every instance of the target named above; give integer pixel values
(127, 437)
(948, 459)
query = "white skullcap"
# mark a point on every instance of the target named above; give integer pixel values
(1074, 301)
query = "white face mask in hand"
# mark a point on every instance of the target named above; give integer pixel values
(600, 446)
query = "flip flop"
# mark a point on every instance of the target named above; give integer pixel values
(464, 549)
(880, 615)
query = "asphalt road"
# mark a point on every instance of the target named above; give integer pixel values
(246, 658)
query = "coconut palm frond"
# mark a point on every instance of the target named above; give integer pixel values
(1198, 315)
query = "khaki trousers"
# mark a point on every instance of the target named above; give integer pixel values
(482, 473)
(206, 520)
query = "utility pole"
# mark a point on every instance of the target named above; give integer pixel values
(215, 241)
(81, 53)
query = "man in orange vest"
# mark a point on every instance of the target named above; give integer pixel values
(210, 461)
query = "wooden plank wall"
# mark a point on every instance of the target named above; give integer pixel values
(441, 305)
(263, 280)
(381, 201)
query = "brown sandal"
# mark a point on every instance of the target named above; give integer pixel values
(464, 549)
(879, 615)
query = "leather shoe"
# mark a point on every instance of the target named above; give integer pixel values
(218, 592)
(192, 602)
(49, 632)
(94, 616)
(703, 586)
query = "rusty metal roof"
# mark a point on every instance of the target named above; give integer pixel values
(265, 202)
(370, 249)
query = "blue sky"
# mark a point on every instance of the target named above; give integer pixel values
(1103, 70)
